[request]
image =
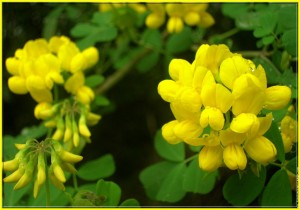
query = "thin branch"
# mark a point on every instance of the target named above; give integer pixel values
(119, 74)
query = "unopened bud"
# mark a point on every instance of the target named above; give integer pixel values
(41, 174)
(54, 180)
(15, 176)
(57, 170)
(92, 119)
(83, 129)
(59, 133)
(10, 165)
(68, 130)
(27, 176)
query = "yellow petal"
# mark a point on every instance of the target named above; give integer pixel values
(17, 85)
(66, 53)
(228, 137)
(190, 99)
(12, 66)
(260, 73)
(210, 158)
(91, 55)
(245, 122)
(74, 82)
(174, 25)
(192, 18)
(180, 69)
(248, 96)
(168, 132)
(175, 9)
(208, 92)
(261, 149)
(188, 131)
(181, 113)
(232, 68)
(154, 21)
(213, 117)
(85, 95)
(56, 42)
(277, 97)
(234, 157)
(198, 77)
(224, 98)
(206, 20)
(168, 90)
(265, 123)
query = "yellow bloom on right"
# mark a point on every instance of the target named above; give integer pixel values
(226, 93)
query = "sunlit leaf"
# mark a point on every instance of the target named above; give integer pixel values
(241, 191)
(278, 191)
(96, 169)
(110, 192)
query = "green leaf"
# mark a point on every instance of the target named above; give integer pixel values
(288, 17)
(172, 152)
(148, 62)
(272, 73)
(278, 191)
(101, 100)
(180, 42)
(292, 165)
(171, 190)
(247, 21)
(94, 80)
(198, 181)
(130, 203)
(9, 147)
(234, 10)
(266, 25)
(13, 197)
(241, 191)
(111, 191)
(289, 41)
(268, 40)
(163, 181)
(152, 38)
(96, 169)
(274, 136)
(103, 18)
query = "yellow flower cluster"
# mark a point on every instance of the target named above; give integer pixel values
(225, 92)
(31, 161)
(70, 118)
(40, 64)
(140, 8)
(288, 130)
(179, 14)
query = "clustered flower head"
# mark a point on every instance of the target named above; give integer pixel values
(179, 14)
(40, 64)
(30, 163)
(224, 93)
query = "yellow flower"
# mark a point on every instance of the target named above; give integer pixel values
(157, 16)
(217, 100)
(288, 130)
(195, 14)
(75, 85)
(211, 158)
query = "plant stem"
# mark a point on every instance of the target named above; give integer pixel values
(75, 182)
(47, 191)
(119, 74)
(228, 33)
(276, 164)
(190, 158)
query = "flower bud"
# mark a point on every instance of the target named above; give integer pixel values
(59, 133)
(76, 137)
(57, 170)
(68, 130)
(277, 97)
(41, 174)
(83, 129)
(65, 155)
(15, 176)
(10, 165)
(210, 158)
(92, 119)
(17, 85)
(54, 179)
(27, 176)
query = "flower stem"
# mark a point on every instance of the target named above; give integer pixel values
(47, 191)
(190, 158)
(119, 74)
(75, 182)
(227, 34)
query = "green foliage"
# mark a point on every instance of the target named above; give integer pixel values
(174, 153)
(104, 194)
(179, 42)
(198, 181)
(241, 191)
(278, 191)
(100, 29)
(292, 165)
(94, 80)
(96, 169)
(274, 136)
